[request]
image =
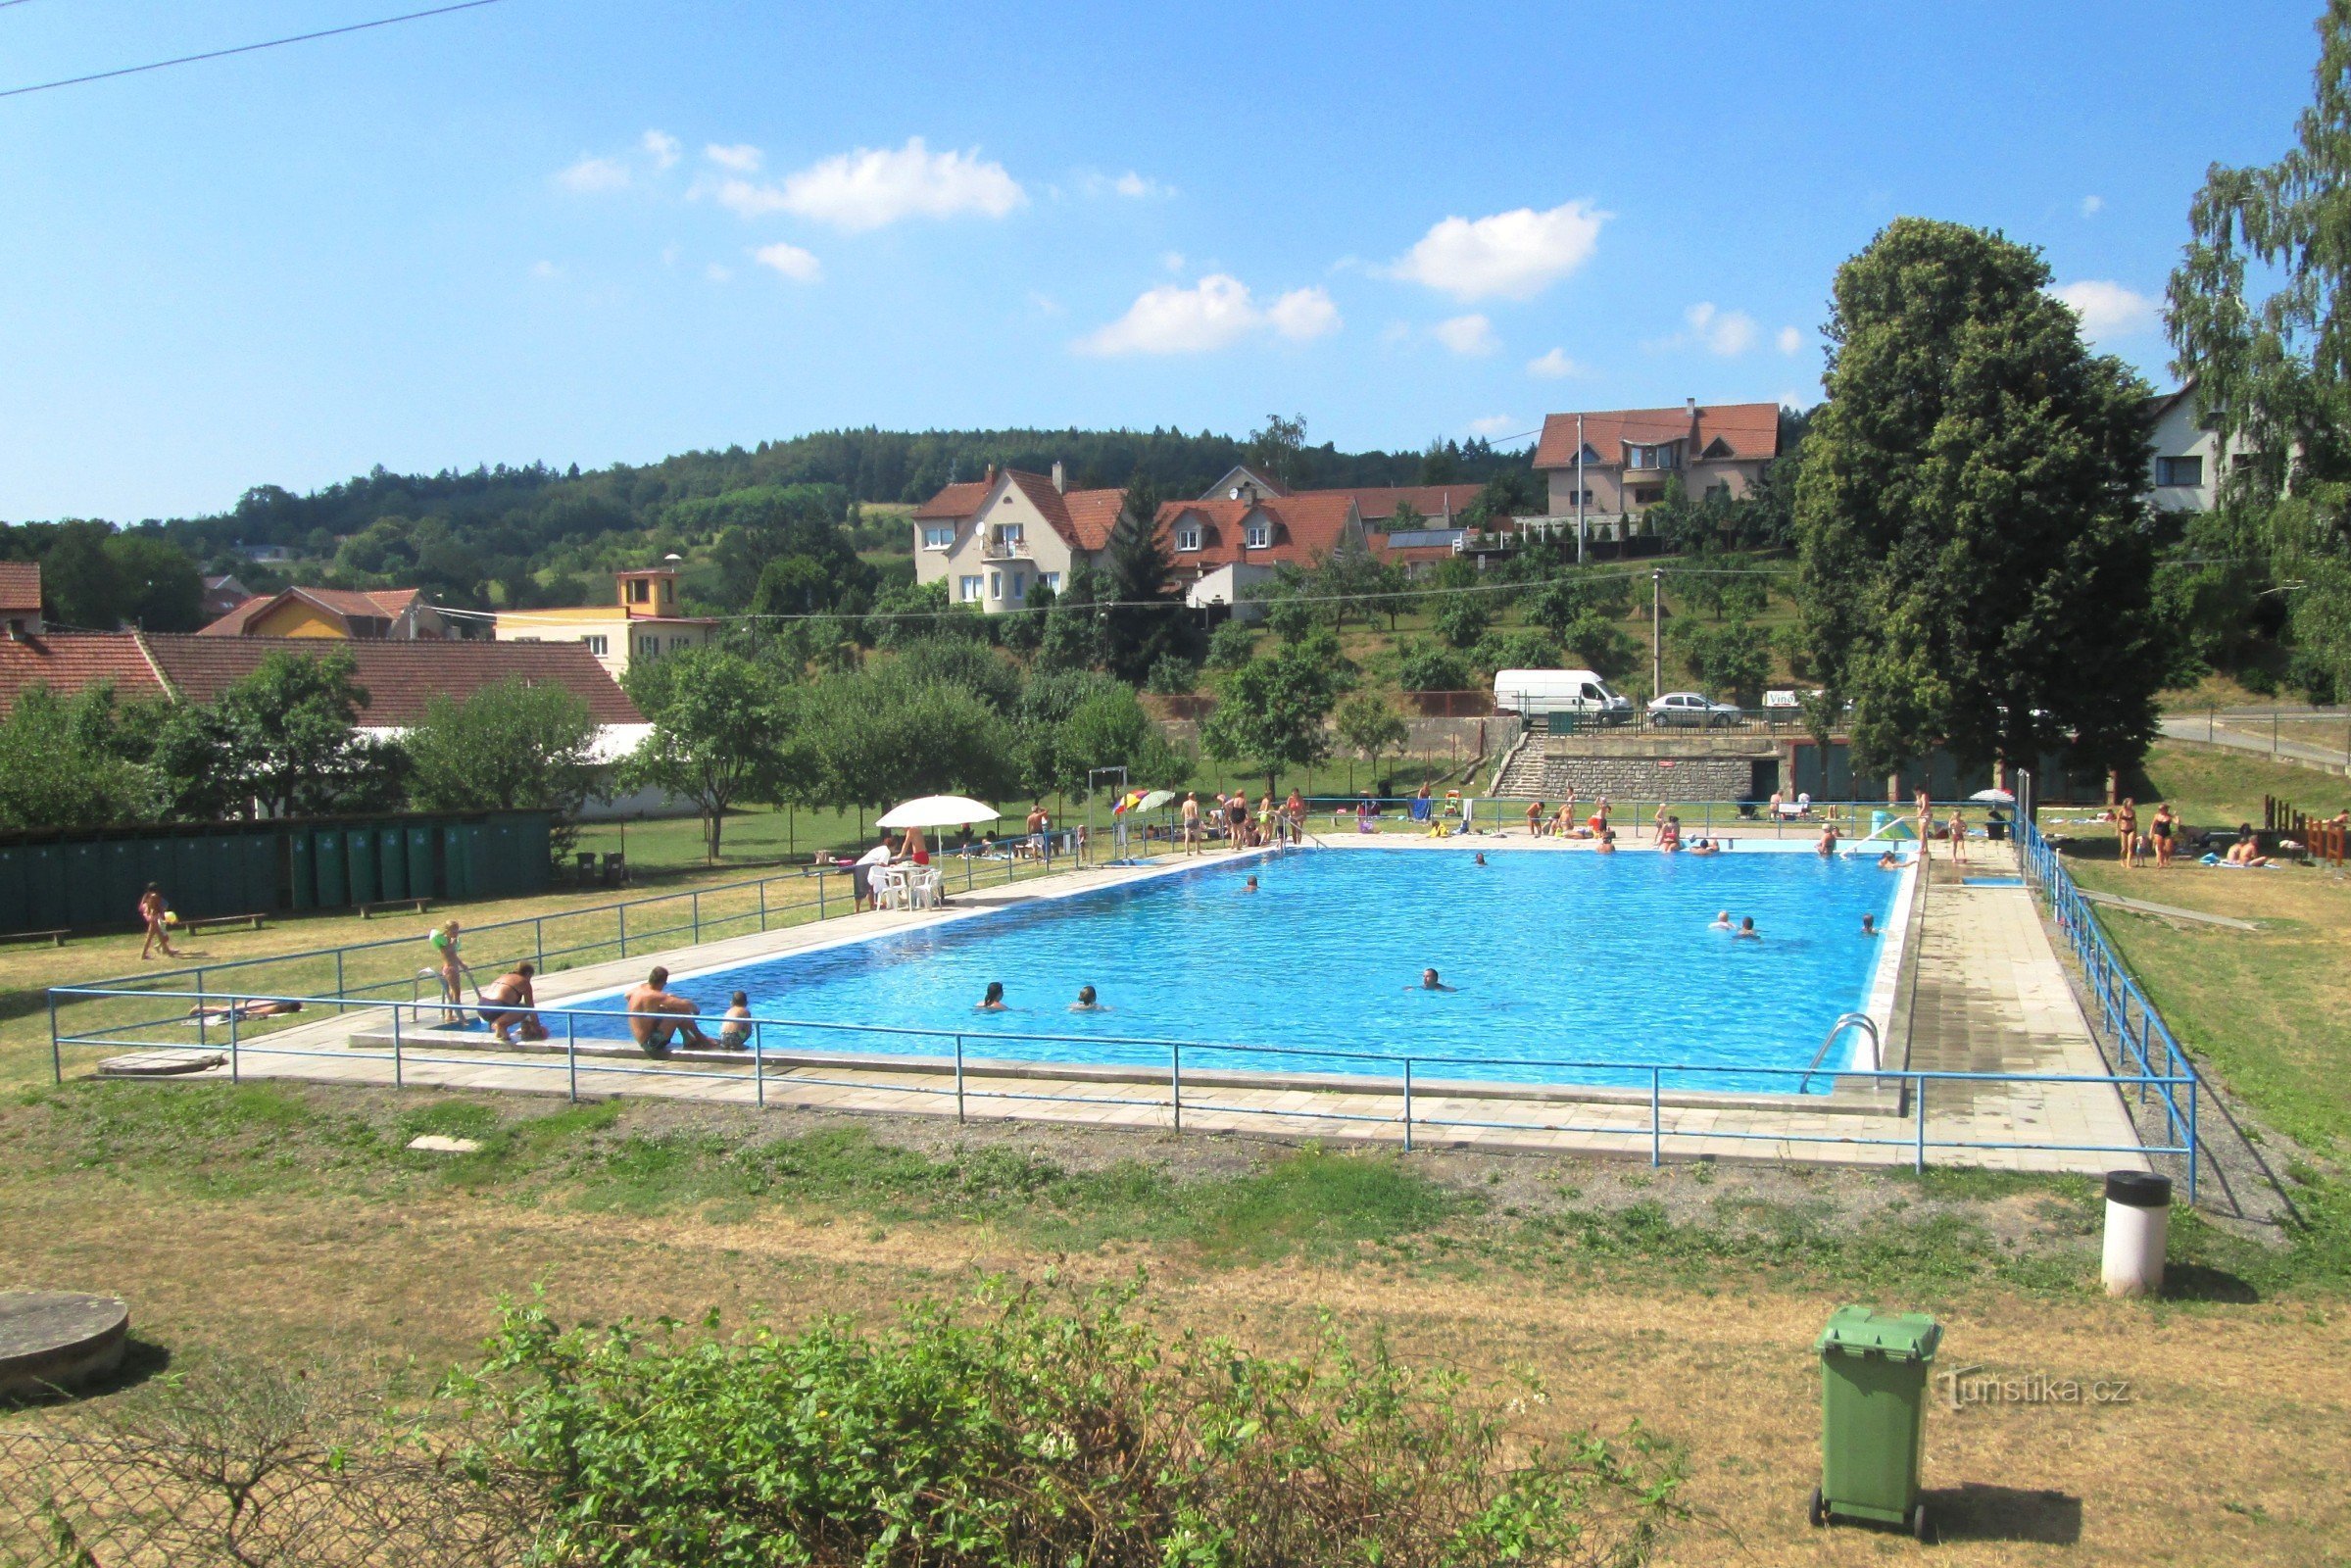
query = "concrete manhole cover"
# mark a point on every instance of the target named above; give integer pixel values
(55, 1338)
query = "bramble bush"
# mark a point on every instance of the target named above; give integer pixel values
(1020, 1426)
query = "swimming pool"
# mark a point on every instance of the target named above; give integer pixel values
(1559, 955)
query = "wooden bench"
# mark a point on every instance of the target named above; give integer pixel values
(56, 937)
(223, 923)
(368, 911)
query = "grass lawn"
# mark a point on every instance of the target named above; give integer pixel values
(2212, 786)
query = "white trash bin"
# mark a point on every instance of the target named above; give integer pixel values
(2138, 1224)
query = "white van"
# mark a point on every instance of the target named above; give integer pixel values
(1534, 692)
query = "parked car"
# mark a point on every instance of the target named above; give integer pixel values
(1691, 708)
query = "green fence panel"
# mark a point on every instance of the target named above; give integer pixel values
(260, 858)
(505, 869)
(12, 889)
(301, 888)
(419, 861)
(479, 867)
(190, 869)
(359, 849)
(391, 863)
(122, 869)
(45, 906)
(327, 866)
(86, 881)
(455, 878)
(537, 868)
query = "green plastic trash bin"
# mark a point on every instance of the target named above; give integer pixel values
(1874, 1368)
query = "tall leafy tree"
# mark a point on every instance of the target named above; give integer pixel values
(1372, 728)
(510, 746)
(77, 761)
(2259, 314)
(1272, 712)
(719, 723)
(1146, 622)
(284, 739)
(1975, 552)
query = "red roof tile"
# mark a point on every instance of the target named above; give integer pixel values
(1305, 528)
(1752, 431)
(1378, 503)
(21, 587)
(401, 677)
(234, 623)
(1091, 515)
(345, 604)
(957, 500)
(67, 662)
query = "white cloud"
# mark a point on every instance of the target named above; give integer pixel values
(1555, 366)
(1466, 334)
(1493, 424)
(663, 148)
(2107, 309)
(719, 274)
(743, 158)
(1789, 340)
(1130, 184)
(1723, 332)
(591, 175)
(2092, 205)
(871, 187)
(791, 260)
(1792, 399)
(1173, 261)
(1213, 314)
(1514, 255)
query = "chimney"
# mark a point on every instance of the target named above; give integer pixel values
(1060, 482)
(990, 477)
(1691, 403)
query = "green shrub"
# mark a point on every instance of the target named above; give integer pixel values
(1014, 1431)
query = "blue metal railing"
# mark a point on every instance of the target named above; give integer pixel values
(2144, 1041)
(1401, 1077)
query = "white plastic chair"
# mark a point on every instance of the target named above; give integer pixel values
(889, 884)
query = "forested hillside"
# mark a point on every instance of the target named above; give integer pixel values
(535, 535)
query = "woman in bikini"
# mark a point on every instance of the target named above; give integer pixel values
(2126, 830)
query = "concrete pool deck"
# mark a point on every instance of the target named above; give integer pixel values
(1987, 992)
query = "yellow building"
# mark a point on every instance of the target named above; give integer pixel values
(378, 614)
(641, 624)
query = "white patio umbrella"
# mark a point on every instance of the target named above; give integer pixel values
(939, 810)
(2003, 797)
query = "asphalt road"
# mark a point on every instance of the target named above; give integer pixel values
(2250, 732)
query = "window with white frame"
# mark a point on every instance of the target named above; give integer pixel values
(1020, 585)
(938, 538)
(649, 647)
(1654, 454)
(1187, 538)
(1258, 535)
(1049, 579)
(967, 589)
(995, 585)
(595, 644)
(2180, 470)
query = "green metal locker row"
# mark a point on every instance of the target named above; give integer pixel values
(262, 868)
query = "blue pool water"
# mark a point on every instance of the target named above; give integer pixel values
(1555, 956)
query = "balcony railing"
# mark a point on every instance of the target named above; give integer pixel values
(999, 548)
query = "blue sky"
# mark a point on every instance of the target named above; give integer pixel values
(587, 232)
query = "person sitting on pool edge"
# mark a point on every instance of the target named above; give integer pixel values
(1430, 982)
(654, 997)
(993, 1001)
(735, 1033)
(1746, 929)
(1085, 1002)
(505, 1005)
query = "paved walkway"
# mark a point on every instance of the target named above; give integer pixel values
(1990, 996)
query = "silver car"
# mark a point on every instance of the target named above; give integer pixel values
(1691, 710)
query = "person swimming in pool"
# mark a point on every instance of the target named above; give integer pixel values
(1747, 930)
(993, 1001)
(1085, 1002)
(1251, 886)
(1481, 860)
(1721, 922)
(1889, 862)
(1869, 925)
(1430, 982)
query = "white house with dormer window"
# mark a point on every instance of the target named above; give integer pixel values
(992, 541)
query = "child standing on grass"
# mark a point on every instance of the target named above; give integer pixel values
(152, 911)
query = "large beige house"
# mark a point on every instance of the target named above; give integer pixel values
(1629, 457)
(992, 539)
(641, 624)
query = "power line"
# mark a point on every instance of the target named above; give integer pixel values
(240, 49)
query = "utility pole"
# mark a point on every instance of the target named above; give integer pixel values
(1656, 632)
(1579, 489)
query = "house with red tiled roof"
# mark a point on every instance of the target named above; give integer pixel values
(1626, 457)
(19, 598)
(375, 614)
(994, 539)
(1224, 548)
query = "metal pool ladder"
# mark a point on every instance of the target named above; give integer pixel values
(1844, 1022)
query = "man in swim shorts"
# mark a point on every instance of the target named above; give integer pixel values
(652, 1033)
